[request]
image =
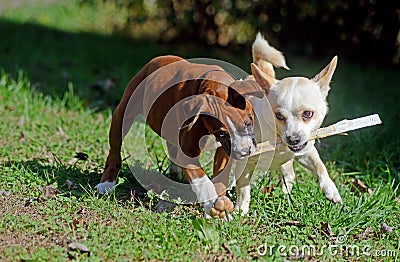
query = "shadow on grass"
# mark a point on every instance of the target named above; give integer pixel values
(98, 66)
(74, 180)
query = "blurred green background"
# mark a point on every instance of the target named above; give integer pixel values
(362, 30)
(91, 40)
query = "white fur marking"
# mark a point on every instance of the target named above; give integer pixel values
(231, 125)
(204, 190)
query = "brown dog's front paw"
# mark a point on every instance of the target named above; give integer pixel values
(220, 207)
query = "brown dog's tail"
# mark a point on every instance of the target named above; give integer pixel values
(266, 56)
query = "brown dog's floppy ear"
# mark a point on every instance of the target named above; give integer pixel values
(236, 99)
(324, 77)
(246, 87)
(191, 109)
(264, 80)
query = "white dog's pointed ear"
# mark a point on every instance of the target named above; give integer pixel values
(264, 80)
(324, 77)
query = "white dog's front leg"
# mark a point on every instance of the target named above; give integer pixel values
(288, 176)
(243, 187)
(105, 187)
(243, 199)
(313, 162)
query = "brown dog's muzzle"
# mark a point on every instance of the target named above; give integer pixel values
(226, 142)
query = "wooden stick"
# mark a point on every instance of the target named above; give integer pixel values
(339, 128)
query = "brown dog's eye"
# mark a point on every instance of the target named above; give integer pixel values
(307, 115)
(249, 123)
(222, 135)
(279, 116)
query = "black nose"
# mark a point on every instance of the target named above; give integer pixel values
(249, 150)
(293, 140)
(246, 151)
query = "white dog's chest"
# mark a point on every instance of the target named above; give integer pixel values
(281, 156)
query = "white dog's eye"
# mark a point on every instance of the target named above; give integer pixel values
(307, 115)
(279, 116)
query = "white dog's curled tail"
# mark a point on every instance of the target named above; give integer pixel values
(266, 56)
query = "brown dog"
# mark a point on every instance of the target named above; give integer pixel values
(183, 102)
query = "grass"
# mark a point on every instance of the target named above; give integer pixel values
(50, 110)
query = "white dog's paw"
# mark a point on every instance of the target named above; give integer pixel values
(242, 207)
(240, 210)
(334, 197)
(105, 187)
(287, 187)
(331, 192)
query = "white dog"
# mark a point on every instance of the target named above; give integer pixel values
(298, 107)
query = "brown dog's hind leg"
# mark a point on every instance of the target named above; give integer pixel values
(174, 170)
(113, 163)
(121, 122)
